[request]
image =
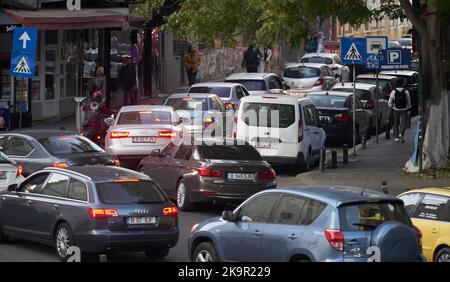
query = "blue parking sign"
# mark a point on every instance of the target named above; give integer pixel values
(23, 64)
(395, 59)
(24, 40)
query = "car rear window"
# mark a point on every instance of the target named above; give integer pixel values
(229, 152)
(252, 85)
(145, 117)
(69, 144)
(268, 115)
(384, 84)
(328, 101)
(133, 192)
(317, 60)
(360, 93)
(188, 104)
(367, 216)
(301, 72)
(223, 92)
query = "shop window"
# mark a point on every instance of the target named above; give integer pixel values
(51, 37)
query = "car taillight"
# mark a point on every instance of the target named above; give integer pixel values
(208, 172)
(96, 213)
(19, 170)
(300, 130)
(419, 236)
(343, 118)
(59, 165)
(335, 238)
(118, 134)
(167, 134)
(319, 82)
(267, 175)
(370, 104)
(170, 211)
(229, 105)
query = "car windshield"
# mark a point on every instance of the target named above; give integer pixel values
(360, 93)
(268, 115)
(384, 84)
(188, 104)
(317, 60)
(301, 72)
(145, 117)
(328, 101)
(251, 85)
(132, 192)
(367, 216)
(69, 144)
(229, 152)
(223, 92)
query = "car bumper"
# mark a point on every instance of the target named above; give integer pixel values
(215, 193)
(285, 160)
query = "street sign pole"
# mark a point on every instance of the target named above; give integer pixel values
(376, 108)
(354, 110)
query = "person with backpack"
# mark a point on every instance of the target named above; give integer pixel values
(400, 103)
(251, 58)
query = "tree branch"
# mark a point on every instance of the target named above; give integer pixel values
(412, 16)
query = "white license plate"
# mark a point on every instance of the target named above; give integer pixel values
(141, 220)
(266, 145)
(241, 176)
(325, 118)
(3, 174)
(144, 139)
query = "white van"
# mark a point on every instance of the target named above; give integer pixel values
(284, 129)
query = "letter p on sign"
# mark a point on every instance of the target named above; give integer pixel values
(394, 57)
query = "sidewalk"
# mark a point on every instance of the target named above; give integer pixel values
(378, 163)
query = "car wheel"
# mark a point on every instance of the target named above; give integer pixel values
(307, 165)
(183, 201)
(3, 237)
(63, 241)
(443, 255)
(205, 252)
(157, 253)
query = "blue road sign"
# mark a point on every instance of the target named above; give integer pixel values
(372, 62)
(23, 64)
(24, 40)
(353, 51)
(395, 59)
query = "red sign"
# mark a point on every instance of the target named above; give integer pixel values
(332, 47)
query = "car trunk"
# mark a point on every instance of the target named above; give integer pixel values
(80, 159)
(144, 135)
(330, 116)
(7, 174)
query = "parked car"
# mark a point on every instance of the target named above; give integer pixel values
(429, 209)
(137, 130)
(37, 149)
(334, 224)
(394, 44)
(336, 115)
(308, 77)
(406, 43)
(369, 96)
(330, 59)
(201, 111)
(412, 81)
(97, 209)
(387, 83)
(210, 170)
(10, 172)
(289, 135)
(259, 83)
(229, 93)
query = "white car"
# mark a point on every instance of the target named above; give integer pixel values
(10, 172)
(259, 83)
(330, 59)
(138, 130)
(229, 93)
(307, 77)
(285, 130)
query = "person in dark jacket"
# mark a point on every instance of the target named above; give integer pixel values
(251, 59)
(127, 81)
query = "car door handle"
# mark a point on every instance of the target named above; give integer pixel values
(292, 237)
(257, 233)
(434, 230)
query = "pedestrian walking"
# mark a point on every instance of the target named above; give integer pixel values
(321, 42)
(127, 81)
(192, 61)
(400, 103)
(266, 57)
(98, 83)
(251, 59)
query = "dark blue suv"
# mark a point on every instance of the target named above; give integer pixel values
(310, 224)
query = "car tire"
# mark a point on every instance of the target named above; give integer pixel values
(205, 252)
(182, 198)
(443, 255)
(64, 239)
(3, 237)
(157, 253)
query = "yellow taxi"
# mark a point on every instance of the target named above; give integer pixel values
(429, 209)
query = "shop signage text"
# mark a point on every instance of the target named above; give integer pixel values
(74, 5)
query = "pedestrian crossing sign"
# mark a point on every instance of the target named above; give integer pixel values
(23, 65)
(353, 51)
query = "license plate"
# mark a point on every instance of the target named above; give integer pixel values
(241, 176)
(2, 175)
(266, 145)
(325, 118)
(141, 220)
(144, 139)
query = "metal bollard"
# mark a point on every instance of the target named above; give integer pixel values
(334, 163)
(408, 119)
(345, 154)
(384, 187)
(322, 159)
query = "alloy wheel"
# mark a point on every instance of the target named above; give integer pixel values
(181, 194)
(63, 242)
(445, 257)
(203, 256)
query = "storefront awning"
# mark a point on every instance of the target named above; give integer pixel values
(64, 19)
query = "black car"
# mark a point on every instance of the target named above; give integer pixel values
(336, 115)
(97, 209)
(36, 150)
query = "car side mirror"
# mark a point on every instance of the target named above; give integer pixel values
(156, 153)
(13, 188)
(228, 216)
(109, 121)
